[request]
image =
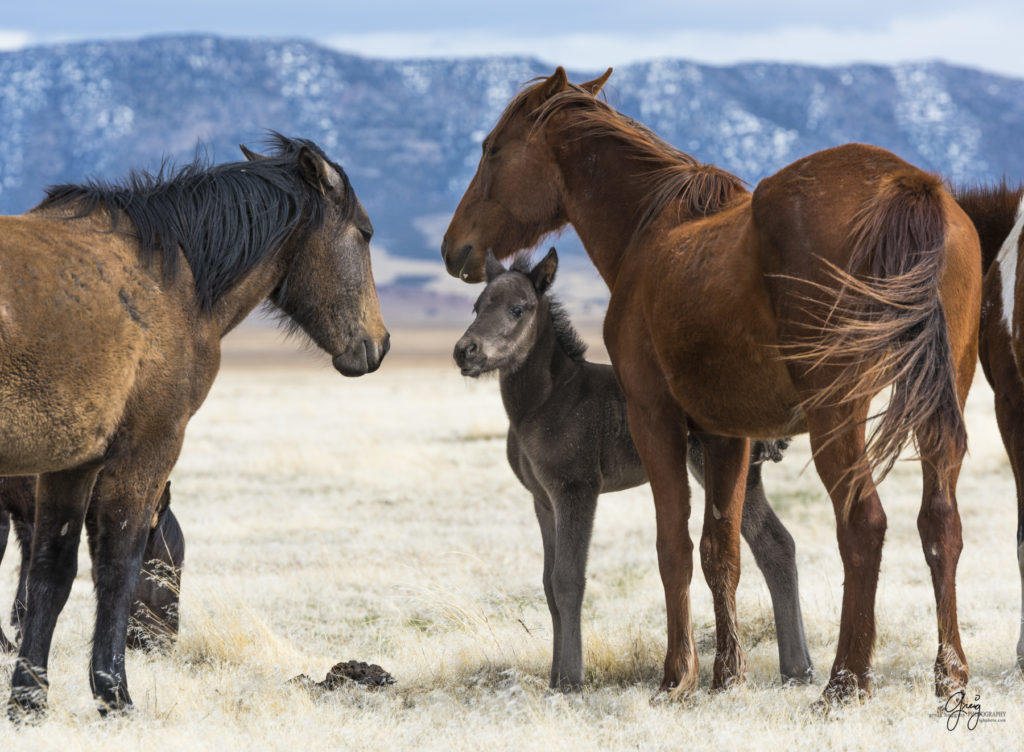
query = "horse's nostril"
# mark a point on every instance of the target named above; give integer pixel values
(444, 249)
(471, 348)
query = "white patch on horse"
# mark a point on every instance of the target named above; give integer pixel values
(715, 512)
(1007, 260)
(64, 529)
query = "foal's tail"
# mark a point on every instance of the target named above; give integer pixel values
(888, 327)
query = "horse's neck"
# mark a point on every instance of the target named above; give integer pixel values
(602, 200)
(255, 287)
(527, 387)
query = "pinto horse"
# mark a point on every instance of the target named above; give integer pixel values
(755, 315)
(113, 302)
(998, 215)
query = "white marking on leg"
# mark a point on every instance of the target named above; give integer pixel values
(715, 513)
(64, 530)
(935, 550)
(1007, 260)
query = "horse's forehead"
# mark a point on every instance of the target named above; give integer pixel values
(505, 286)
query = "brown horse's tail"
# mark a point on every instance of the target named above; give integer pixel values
(887, 327)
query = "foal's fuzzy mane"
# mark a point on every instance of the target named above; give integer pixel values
(672, 175)
(224, 218)
(565, 334)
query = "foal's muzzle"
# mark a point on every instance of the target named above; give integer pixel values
(469, 356)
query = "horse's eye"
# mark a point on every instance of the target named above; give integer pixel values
(517, 311)
(493, 150)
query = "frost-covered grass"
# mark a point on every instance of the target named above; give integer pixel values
(376, 519)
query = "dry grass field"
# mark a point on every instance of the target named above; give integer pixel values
(376, 519)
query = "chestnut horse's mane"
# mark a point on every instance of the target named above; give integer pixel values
(673, 176)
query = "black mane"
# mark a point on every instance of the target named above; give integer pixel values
(225, 218)
(565, 334)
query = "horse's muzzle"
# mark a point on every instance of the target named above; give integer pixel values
(457, 261)
(469, 357)
(364, 358)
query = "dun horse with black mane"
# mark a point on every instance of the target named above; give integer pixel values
(113, 301)
(755, 315)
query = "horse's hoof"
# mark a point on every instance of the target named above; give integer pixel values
(950, 673)
(112, 698)
(799, 677)
(27, 704)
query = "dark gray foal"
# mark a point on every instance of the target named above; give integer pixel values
(569, 441)
(154, 611)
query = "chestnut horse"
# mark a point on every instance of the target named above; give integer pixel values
(113, 301)
(998, 215)
(755, 315)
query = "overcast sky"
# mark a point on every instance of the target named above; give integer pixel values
(987, 34)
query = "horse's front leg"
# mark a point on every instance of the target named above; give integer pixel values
(574, 506)
(725, 482)
(658, 428)
(546, 520)
(60, 508)
(121, 510)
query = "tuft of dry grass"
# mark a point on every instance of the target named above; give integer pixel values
(376, 519)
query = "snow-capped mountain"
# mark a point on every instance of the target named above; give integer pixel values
(408, 132)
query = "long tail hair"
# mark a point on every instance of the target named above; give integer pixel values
(887, 327)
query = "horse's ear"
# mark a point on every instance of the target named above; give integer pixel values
(543, 274)
(556, 83)
(492, 266)
(597, 84)
(249, 154)
(314, 169)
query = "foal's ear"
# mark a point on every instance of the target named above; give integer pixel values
(556, 82)
(595, 86)
(249, 154)
(543, 274)
(314, 169)
(492, 266)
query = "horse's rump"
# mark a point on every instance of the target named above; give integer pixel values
(868, 289)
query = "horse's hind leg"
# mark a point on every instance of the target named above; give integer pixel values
(837, 439)
(775, 554)
(725, 471)
(939, 525)
(546, 519)
(23, 531)
(1010, 415)
(5, 526)
(61, 501)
